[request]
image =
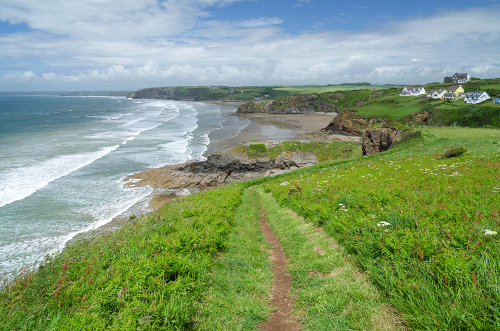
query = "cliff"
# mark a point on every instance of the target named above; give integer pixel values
(296, 104)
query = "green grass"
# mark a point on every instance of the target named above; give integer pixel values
(311, 89)
(332, 294)
(434, 260)
(391, 106)
(324, 151)
(241, 278)
(150, 274)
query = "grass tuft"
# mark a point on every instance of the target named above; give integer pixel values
(454, 152)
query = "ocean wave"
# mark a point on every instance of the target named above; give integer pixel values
(127, 140)
(20, 183)
(132, 122)
(110, 118)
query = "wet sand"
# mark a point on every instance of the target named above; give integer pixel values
(261, 126)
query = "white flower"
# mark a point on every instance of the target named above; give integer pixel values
(285, 184)
(383, 223)
(490, 233)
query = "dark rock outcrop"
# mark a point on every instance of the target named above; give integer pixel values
(345, 125)
(378, 140)
(220, 168)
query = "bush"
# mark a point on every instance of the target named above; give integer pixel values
(257, 148)
(454, 152)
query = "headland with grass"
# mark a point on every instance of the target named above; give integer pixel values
(406, 239)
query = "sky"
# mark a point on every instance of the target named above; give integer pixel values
(61, 45)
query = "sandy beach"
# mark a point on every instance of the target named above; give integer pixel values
(262, 125)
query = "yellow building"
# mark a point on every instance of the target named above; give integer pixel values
(454, 93)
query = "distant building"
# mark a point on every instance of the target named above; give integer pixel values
(457, 79)
(454, 93)
(436, 94)
(476, 97)
(412, 90)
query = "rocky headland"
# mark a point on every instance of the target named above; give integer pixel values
(220, 168)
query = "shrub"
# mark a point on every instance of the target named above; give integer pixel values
(257, 148)
(454, 152)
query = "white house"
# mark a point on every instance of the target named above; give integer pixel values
(436, 94)
(458, 78)
(476, 97)
(412, 90)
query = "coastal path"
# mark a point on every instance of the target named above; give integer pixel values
(281, 273)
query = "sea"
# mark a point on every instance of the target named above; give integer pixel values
(63, 161)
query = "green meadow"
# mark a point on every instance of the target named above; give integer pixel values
(318, 89)
(405, 239)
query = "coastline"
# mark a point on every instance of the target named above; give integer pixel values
(262, 127)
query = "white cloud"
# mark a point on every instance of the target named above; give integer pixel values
(300, 3)
(132, 45)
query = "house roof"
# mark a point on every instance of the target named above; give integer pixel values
(453, 88)
(413, 88)
(475, 93)
(438, 91)
(461, 75)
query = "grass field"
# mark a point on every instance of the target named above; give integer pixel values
(393, 107)
(310, 89)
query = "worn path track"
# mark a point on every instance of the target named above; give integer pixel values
(281, 298)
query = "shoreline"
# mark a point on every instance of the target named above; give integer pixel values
(262, 127)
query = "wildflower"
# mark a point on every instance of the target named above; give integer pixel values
(490, 233)
(383, 223)
(285, 184)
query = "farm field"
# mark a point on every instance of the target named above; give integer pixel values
(309, 89)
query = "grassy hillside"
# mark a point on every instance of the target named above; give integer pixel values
(420, 228)
(423, 228)
(392, 107)
(207, 93)
(325, 102)
(319, 89)
(201, 93)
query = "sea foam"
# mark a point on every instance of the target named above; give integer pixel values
(20, 183)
